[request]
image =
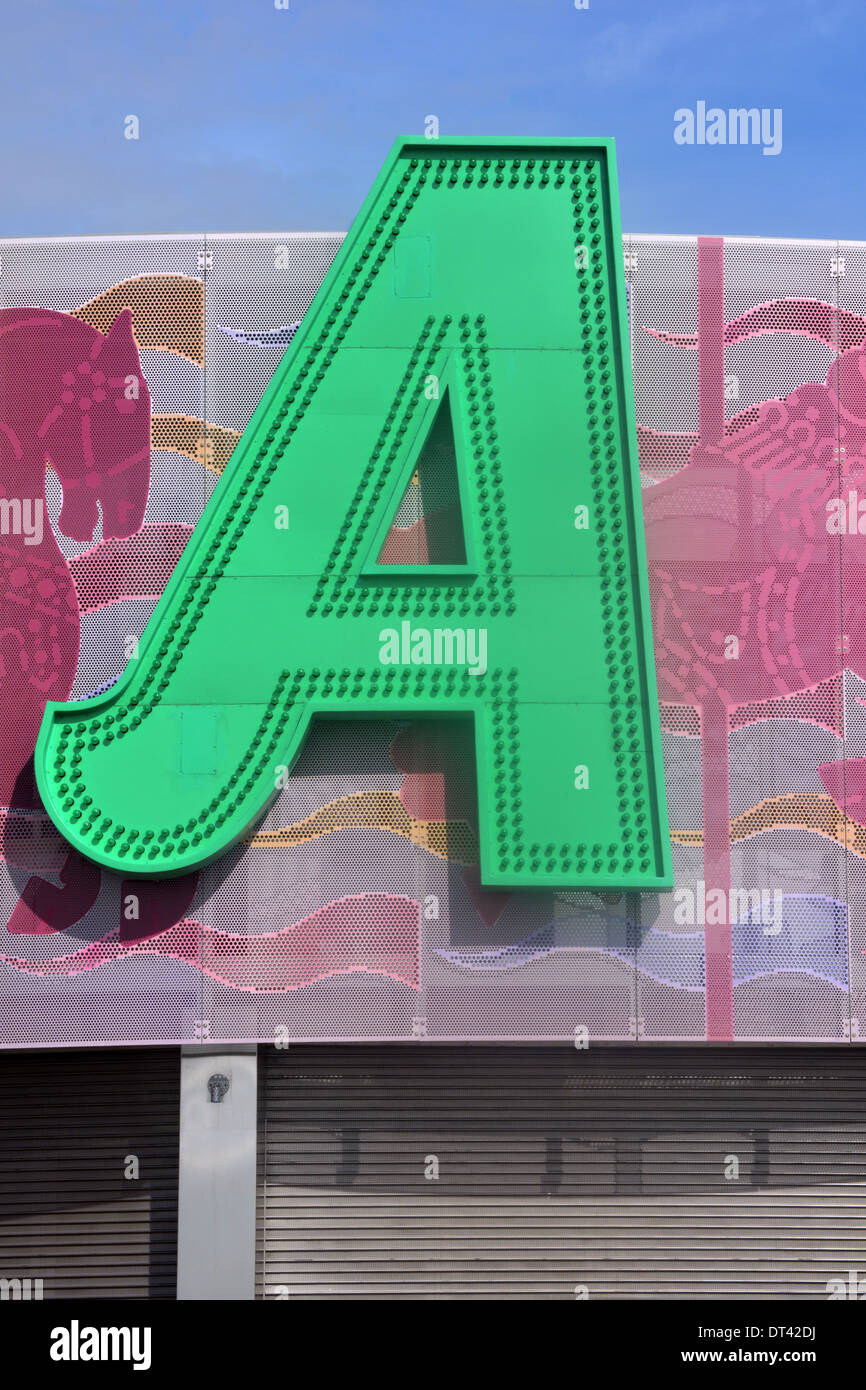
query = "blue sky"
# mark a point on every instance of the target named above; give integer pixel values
(253, 118)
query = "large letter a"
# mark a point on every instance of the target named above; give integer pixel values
(483, 281)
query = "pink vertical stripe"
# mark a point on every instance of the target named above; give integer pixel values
(711, 338)
(714, 713)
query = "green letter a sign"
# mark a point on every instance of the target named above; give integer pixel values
(472, 328)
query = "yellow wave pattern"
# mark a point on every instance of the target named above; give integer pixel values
(210, 445)
(456, 841)
(796, 811)
(167, 313)
(380, 810)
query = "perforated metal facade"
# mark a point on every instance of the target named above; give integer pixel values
(356, 911)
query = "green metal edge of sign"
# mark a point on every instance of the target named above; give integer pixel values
(514, 300)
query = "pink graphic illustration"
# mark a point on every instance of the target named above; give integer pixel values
(76, 401)
(846, 783)
(751, 581)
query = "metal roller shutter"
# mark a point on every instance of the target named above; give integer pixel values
(69, 1121)
(560, 1172)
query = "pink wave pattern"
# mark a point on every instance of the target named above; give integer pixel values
(138, 566)
(371, 933)
(663, 453)
(806, 318)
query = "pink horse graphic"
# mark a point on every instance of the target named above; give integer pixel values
(75, 400)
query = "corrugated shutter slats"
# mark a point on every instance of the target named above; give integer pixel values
(68, 1215)
(560, 1169)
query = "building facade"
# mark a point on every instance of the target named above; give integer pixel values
(579, 1086)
